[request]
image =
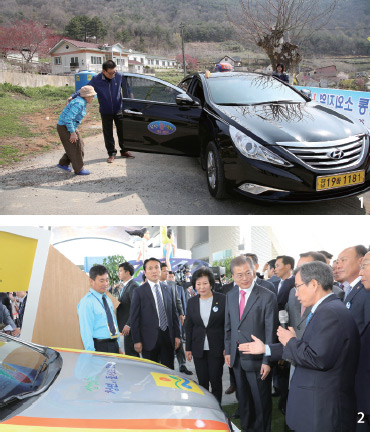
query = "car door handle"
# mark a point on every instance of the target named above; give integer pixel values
(132, 112)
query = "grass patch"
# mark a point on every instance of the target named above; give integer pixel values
(17, 102)
(8, 154)
(172, 77)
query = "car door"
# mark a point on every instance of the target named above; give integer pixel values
(154, 123)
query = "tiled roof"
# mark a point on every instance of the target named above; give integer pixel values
(81, 44)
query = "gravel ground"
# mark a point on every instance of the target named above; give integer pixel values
(149, 184)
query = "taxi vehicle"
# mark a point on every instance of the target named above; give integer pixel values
(253, 133)
(45, 389)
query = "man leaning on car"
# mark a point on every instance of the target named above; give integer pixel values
(98, 325)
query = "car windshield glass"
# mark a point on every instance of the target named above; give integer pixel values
(249, 90)
(21, 368)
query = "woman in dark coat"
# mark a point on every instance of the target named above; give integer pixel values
(280, 73)
(204, 326)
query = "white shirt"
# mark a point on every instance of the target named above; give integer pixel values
(247, 292)
(153, 289)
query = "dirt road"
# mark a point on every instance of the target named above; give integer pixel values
(148, 184)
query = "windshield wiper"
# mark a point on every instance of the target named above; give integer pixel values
(40, 370)
(277, 102)
(232, 104)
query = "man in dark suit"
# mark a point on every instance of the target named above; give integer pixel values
(283, 269)
(126, 272)
(363, 371)
(321, 394)
(153, 318)
(269, 267)
(356, 298)
(259, 280)
(250, 308)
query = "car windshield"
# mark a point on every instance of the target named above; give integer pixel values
(250, 90)
(21, 369)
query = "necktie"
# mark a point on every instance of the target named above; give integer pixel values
(308, 318)
(161, 309)
(348, 289)
(111, 324)
(242, 302)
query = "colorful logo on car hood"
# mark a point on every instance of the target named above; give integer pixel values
(160, 127)
(173, 381)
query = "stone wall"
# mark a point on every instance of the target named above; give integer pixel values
(35, 80)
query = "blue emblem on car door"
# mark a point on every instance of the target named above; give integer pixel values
(160, 127)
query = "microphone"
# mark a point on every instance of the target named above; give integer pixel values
(283, 317)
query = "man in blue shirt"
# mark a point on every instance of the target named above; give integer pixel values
(109, 84)
(98, 325)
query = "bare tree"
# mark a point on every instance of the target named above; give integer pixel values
(273, 24)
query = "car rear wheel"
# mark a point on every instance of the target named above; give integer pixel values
(215, 172)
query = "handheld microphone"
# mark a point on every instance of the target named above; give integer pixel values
(283, 317)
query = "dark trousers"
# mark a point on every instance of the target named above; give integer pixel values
(129, 346)
(254, 399)
(107, 126)
(106, 345)
(180, 354)
(209, 369)
(74, 152)
(163, 351)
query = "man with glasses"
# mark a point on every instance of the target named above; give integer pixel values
(321, 396)
(111, 87)
(250, 308)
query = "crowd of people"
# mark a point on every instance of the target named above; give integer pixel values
(301, 333)
(12, 307)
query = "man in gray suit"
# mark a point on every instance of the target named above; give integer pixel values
(249, 308)
(298, 313)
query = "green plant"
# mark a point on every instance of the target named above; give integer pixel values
(112, 265)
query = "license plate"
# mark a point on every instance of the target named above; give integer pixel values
(340, 180)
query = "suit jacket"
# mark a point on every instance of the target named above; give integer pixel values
(123, 309)
(227, 287)
(259, 318)
(268, 285)
(358, 303)
(321, 396)
(362, 387)
(196, 330)
(284, 292)
(275, 281)
(293, 307)
(144, 318)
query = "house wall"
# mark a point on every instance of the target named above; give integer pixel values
(35, 80)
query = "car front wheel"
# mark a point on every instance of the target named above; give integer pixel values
(215, 172)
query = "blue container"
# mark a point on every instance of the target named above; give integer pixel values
(82, 78)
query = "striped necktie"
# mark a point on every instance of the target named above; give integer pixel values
(348, 289)
(161, 309)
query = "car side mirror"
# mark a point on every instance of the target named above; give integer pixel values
(183, 99)
(307, 93)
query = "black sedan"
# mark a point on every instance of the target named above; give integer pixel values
(254, 135)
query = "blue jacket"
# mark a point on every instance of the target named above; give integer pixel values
(108, 92)
(73, 114)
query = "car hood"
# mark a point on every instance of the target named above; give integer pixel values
(102, 390)
(292, 122)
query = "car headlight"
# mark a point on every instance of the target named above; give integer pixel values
(253, 150)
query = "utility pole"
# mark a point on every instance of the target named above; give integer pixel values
(181, 32)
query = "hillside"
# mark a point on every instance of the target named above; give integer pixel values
(154, 24)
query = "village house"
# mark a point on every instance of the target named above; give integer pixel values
(71, 56)
(234, 61)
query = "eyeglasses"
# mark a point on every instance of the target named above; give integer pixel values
(298, 286)
(242, 275)
(111, 73)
